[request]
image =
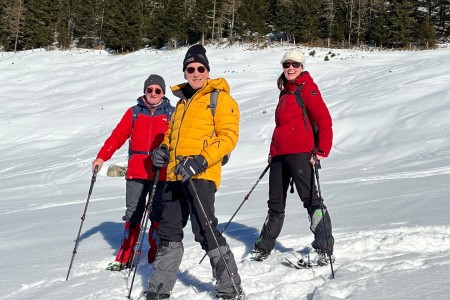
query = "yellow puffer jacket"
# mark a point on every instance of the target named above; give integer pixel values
(194, 131)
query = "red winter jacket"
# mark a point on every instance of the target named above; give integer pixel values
(290, 134)
(148, 132)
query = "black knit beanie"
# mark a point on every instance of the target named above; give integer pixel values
(196, 53)
(155, 79)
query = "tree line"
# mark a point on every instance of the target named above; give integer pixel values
(127, 25)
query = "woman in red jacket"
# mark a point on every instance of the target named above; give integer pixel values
(144, 125)
(293, 153)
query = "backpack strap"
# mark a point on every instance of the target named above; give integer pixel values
(167, 109)
(136, 110)
(213, 96)
(301, 103)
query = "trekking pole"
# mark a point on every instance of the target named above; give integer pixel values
(94, 177)
(242, 203)
(194, 189)
(316, 171)
(147, 208)
(141, 238)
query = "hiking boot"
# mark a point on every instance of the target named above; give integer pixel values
(323, 259)
(260, 254)
(116, 266)
(156, 296)
(234, 296)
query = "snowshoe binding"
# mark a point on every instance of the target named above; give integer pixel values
(156, 296)
(259, 254)
(222, 296)
(117, 266)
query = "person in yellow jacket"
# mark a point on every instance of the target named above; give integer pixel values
(192, 150)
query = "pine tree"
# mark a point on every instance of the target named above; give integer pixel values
(154, 29)
(425, 33)
(200, 16)
(122, 25)
(12, 22)
(252, 18)
(83, 22)
(287, 17)
(376, 33)
(168, 23)
(227, 19)
(38, 29)
(401, 24)
(308, 27)
(3, 23)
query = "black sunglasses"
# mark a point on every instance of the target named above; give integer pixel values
(294, 64)
(200, 69)
(157, 91)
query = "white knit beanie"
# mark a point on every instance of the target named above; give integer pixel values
(294, 55)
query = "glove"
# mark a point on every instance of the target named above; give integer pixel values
(160, 157)
(191, 166)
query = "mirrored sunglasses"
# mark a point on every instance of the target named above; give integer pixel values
(200, 69)
(157, 91)
(294, 64)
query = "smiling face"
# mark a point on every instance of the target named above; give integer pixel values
(154, 94)
(196, 75)
(292, 69)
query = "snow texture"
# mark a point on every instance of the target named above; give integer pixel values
(386, 182)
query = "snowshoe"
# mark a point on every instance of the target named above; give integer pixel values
(259, 254)
(222, 296)
(116, 266)
(156, 296)
(323, 259)
(310, 261)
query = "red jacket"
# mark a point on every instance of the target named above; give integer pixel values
(148, 132)
(290, 134)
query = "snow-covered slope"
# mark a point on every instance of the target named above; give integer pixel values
(386, 182)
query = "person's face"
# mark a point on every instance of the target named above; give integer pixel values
(154, 94)
(196, 75)
(292, 69)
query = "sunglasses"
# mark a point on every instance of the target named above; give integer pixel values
(200, 69)
(157, 91)
(294, 64)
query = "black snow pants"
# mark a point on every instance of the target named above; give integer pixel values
(298, 167)
(180, 204)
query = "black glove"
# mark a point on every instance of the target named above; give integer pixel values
(160, 157)
(191, 166)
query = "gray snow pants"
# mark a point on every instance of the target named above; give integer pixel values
(136, 198)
